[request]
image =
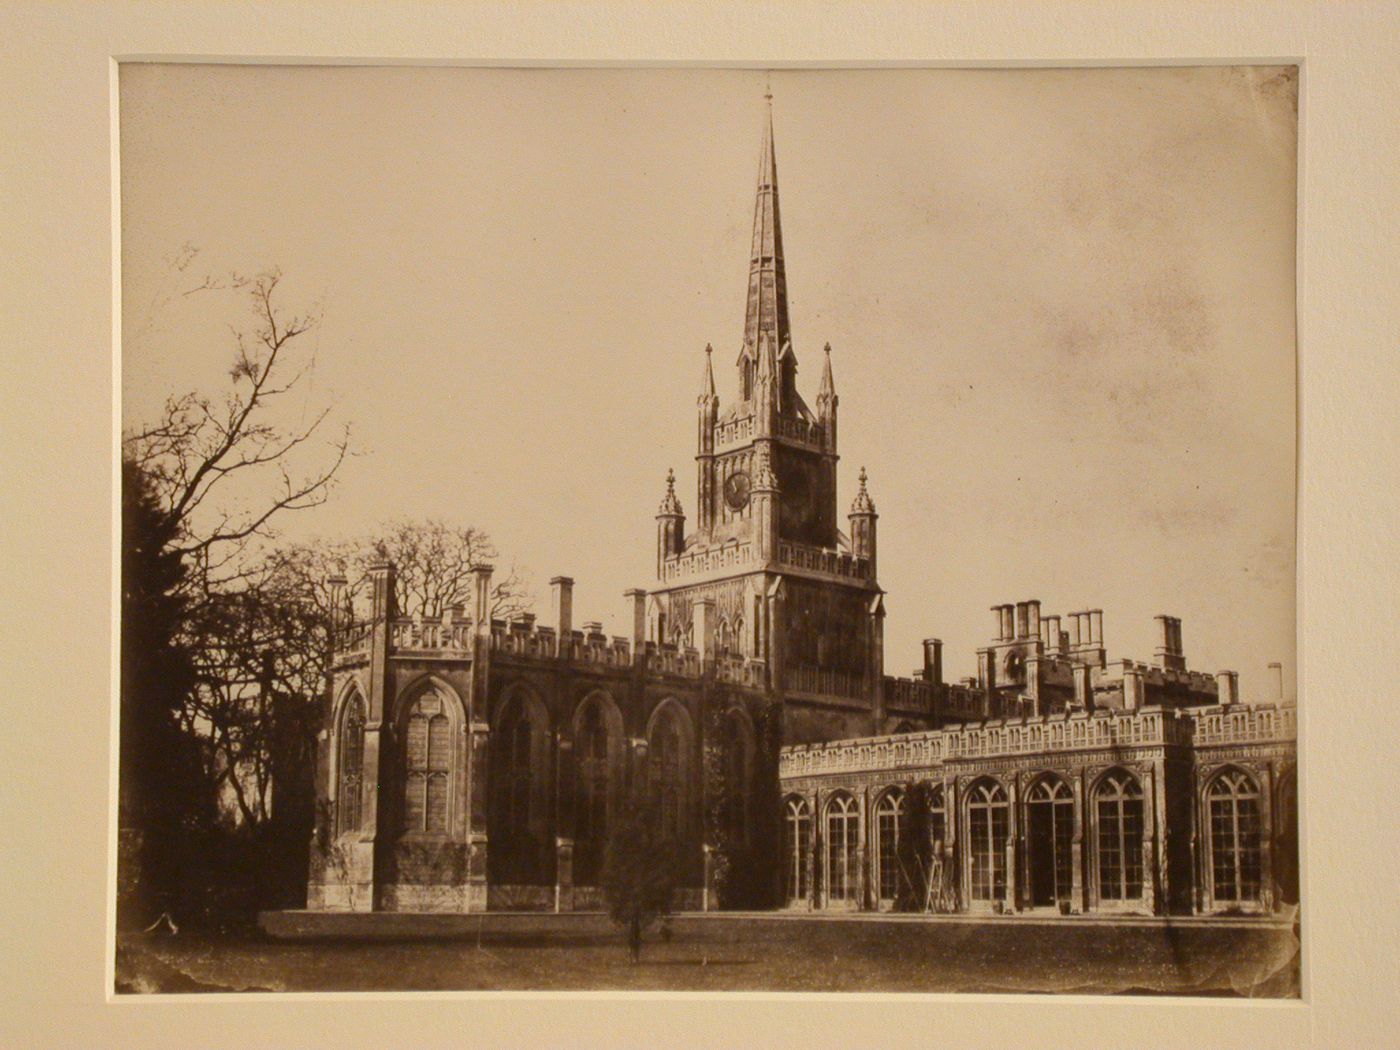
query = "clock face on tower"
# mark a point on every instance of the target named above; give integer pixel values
(736, 490)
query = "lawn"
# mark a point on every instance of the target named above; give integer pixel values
(709, 954)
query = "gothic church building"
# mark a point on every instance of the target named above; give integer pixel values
(469, 764)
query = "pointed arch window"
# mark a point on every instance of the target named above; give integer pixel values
(516, 776)
(1234, 838)
(352, 760)
(1050, 839)
(842, 840)
(427, 765)
(1118, 808)
(797, 849)
(594, 789)
(987, 831)
(937, 818)
(889, 815)
(667, 754)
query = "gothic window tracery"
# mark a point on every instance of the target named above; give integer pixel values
(797, 848)
(352, 758)
(668, 769)
(842, 839)
(427, 765)
(595, 785)
(987, 830)
(1050, 837)
(889, 815)
(1118, 807)
(1234, 837)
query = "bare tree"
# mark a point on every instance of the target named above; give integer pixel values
(222, 470)
(434, 560)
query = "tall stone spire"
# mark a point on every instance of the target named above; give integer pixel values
(767, 309)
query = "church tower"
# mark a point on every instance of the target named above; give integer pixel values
(767, 558)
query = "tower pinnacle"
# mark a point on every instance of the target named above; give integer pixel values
(827, 391)
(707, 379)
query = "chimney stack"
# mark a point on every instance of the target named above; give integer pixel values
(482, 605)
(1169, 654)
(638, 597)
(562, 604)
(933, 661)
(1084, 686)
(1276, 679)
(1133, 696)
(1227, 687)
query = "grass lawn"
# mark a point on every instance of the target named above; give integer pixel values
(742, 955)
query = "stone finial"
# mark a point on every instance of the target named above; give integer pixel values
(862, 504)
(670, 504)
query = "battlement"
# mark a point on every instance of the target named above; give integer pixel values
(453, 637)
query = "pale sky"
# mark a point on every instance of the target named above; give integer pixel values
(1061, 307)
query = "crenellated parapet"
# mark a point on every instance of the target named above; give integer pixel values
(453, 637)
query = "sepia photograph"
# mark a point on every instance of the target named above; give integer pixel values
(726, 530)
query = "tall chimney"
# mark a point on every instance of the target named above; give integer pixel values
(998, 623)
(1276, 679)
(933, 661)
(1075, 619)
(1052, 634)
(1033, 618)
(638, 597)
(482, 603)
(1227, 687)
(1084, 686)
(1023, 620)
(1132, 688)
(1096, 626)
(562, 605)
(1165, 651)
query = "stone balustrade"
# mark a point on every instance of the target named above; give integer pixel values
(803, 679)
(425, 635)
(909, 694)
(1051, 733)
(823, 559)
(734, 431)
(800, 430)
(741, 671)
(1242, 723)
(711, 559)
(354, 639)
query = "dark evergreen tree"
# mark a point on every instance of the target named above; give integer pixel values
(639, 871)
(166, 806)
